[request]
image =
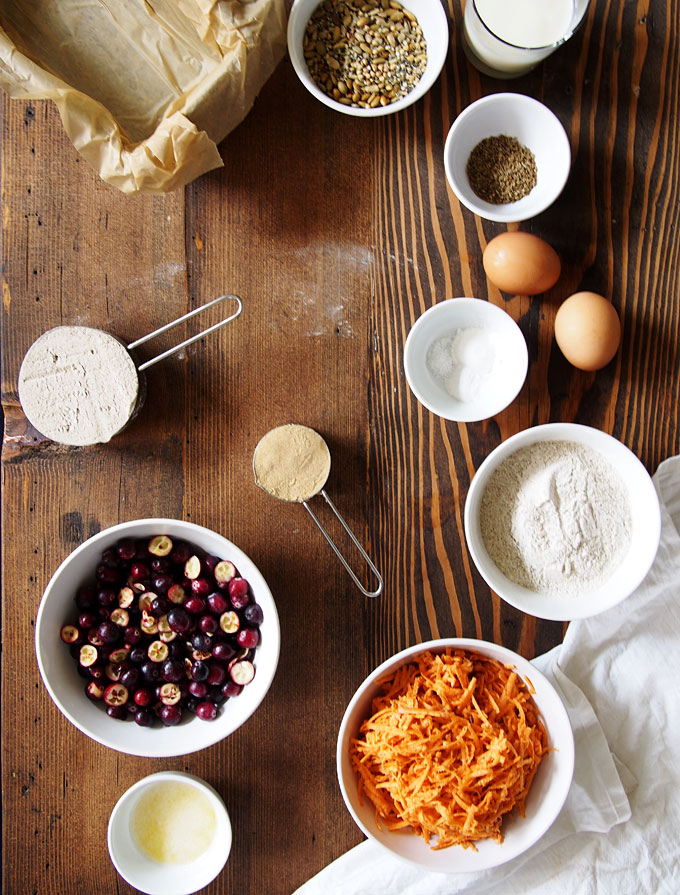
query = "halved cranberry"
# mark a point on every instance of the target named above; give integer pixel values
(126, 597)
(116, 694)
(192, 567)
(145, 601)
(206, 711)
(170, 694)
(223, 572)
(94, 691)
(158, 651)
(71, 634)
(118, 655)
(176, 593)
(88, 655)
(242, 672)
(230, 622)
(120, 617)
(161, 545)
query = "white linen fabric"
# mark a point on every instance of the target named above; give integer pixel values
(618, 674)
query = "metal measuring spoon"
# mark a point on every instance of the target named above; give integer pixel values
(292, 463)
(80, 385)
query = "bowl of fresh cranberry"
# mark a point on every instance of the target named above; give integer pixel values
(157, 637)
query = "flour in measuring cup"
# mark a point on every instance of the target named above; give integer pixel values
(555, 518)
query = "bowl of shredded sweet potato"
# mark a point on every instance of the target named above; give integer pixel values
(456, 755)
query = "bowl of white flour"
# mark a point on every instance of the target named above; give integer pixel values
(562, 521)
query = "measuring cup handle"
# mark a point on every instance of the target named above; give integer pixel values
(366, 593)
(186, 342)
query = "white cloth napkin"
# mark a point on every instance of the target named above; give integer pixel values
(619, 831)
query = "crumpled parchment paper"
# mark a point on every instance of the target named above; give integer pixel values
(146, 89)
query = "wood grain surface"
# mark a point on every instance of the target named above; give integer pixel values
(337, 233)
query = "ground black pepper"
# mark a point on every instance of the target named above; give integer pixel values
(501, 170)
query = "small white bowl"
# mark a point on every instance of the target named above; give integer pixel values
(645, 534)
(497, 389)
(530, 122)
(431, 18)
(66, 686)
(547, 795)
(152, 877)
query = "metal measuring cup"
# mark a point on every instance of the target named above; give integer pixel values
(301, 480)
(73, 367)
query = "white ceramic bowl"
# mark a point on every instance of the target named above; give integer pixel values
(546, 797)
(493, 390)
(435, 27)
(646, 526)
(150, 876)
(535, 126)
(66, 686)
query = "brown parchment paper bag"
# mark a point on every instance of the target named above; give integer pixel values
(146, 89)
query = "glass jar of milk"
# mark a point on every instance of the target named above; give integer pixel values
(507, 38)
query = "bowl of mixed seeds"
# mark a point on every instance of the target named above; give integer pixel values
(507, 157)
(368, 58)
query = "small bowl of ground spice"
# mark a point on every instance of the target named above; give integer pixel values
(368, 58)
(562, 521)
(507, 157)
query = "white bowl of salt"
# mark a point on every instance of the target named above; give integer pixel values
(562, 521)
(465, 359)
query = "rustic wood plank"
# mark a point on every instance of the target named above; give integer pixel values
(337, 234)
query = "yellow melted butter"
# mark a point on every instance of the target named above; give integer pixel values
(173, 823)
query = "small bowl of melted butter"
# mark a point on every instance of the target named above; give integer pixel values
(169, 834)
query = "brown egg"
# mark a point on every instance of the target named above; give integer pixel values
(521, 263)
(587, 330)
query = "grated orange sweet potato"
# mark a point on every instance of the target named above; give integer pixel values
(452, 746)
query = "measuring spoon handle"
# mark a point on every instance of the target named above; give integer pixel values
(366, 593)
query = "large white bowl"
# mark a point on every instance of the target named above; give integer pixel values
(530, 122)
(646, 526)
(499, 389)
(546, 797)
(150, 876)
(66, 686)
(432, 20)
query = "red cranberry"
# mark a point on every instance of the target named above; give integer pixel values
(238, 593)
(171, 715)
(195, 605)
(217, 674)
(107, 575)
(87, 620)
(217, 603)
(200, 587)
(144, 717)
(199, 689)
(180, 553)
(179, 620)
(206, 711)
(86, 597)
(108, 632)
(201, 642)
(231, 688)
(126, 549)
(139, 571)
(107, 597)
(208, 624)
(253, 614)
(223, 650)
(119, 712)
(143, 697)
(173, 670)
(200, 671)
(162, 583)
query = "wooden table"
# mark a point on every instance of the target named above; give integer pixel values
(337, 233)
